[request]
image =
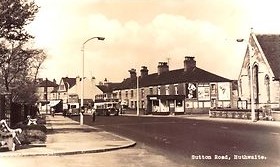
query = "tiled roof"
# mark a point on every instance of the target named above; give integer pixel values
(108, 87)
(172, 77)
(47, 83)
(270, 45)
(55, 90)
(70, 81)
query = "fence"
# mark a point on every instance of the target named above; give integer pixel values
(14, 113)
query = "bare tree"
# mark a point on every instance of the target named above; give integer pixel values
(19, 64)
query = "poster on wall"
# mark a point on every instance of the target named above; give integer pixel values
(203, 93)
(191, 90)
(224, 91)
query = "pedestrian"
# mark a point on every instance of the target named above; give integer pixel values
(52, 111)
(64, 112)
(93, 114)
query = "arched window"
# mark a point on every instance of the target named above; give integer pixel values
(267, 86)
(249, 80)
(256, 82)
(240, 87)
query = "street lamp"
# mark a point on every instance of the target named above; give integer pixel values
(253, 117)
(83, 73)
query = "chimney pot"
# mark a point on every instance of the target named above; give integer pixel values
(132, 73)
(162, 67)
(189, 63)
(144, 71)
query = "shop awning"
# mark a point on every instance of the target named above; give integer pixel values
(54, 103)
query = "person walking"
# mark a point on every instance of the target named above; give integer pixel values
(52, 111)
(93, 114)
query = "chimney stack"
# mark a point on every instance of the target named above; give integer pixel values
(144, 71)
(189, 63)
(132, 73)
(162, 67)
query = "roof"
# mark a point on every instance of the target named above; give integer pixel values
(270, 45)
(55, 90)
(172, 77)
(108, 87)
(70, 81)
(47, 83)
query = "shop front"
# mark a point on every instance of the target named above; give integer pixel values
(165, 104)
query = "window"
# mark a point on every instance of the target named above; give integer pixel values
(120, 95)
(61, 87)
(249, 76)
(267, 85)
(240, 87)
(142, 93)
(166, 89)
(256, 83)
(158, 90)
(131, 93)
(126, 93)
(176, 89)
(151, 90)
(179, 103)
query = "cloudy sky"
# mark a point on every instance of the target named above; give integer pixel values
(145, 32)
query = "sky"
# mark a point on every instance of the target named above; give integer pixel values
(144, 32)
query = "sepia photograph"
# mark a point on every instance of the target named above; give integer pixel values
(139, 83)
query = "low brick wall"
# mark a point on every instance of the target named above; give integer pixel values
(233, 113)
(275, 115)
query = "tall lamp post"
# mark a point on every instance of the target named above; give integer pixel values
(83, 75)
(253, 116)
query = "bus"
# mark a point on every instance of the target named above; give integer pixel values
(72, 107)
(107, 108)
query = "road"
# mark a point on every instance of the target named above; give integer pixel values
(190, 142)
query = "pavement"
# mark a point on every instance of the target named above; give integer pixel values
(207, 118)
(67, 137)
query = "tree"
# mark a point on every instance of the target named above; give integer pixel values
(19, 63)
(15, 15)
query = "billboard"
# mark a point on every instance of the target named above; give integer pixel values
(191, 90)
(224, 91)
(203, 93)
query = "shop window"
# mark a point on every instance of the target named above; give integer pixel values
(179, 103)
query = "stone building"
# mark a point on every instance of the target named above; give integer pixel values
(263, 55)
